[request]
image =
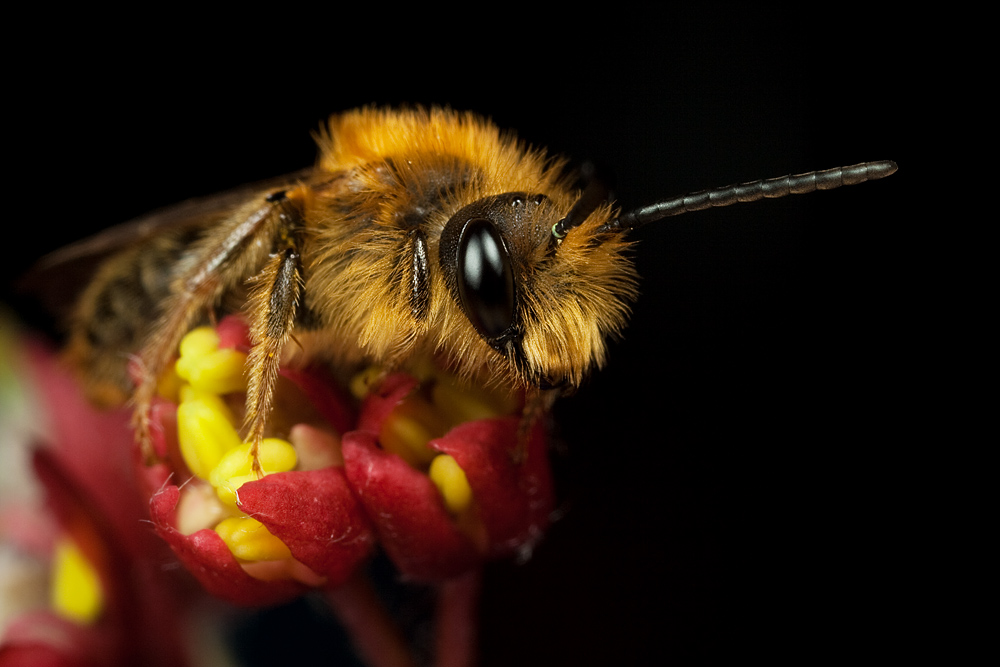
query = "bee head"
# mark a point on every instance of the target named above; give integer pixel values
(545, 279)
(545, 304)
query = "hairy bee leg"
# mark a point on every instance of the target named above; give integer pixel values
(273, 304)
(222, 260)
(180, 314)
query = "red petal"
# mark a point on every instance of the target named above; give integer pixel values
(515, 499)
(43, 639)
(384, 400)
(91, 447)
(207, 557)
(315, 514)
(324, 394)
(233, 333)
(404, 505)
(163, 429)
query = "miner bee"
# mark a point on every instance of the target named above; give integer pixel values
(421, 233)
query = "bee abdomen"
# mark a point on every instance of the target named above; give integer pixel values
(119, 309)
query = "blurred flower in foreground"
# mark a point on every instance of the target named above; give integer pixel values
(104, 598)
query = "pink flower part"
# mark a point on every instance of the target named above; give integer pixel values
(163, 434)
(412, 524)
(170, 464)
(94, 448)
(43, 639)
(324, 394)
(383, 401)
(515, 498)
(138, 624)
(317, 517)
(207, 557)
(233, 333)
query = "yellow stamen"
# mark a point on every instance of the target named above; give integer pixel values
(451, 482)
(248, 539)
(462, 403)
(76, 591)
(199, 342)
(169, 385)
(235, 467)
(408, 428)
(205, 431)
(207, 367)
(361, 384)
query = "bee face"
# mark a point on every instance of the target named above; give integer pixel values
(478, 266)
(526, 295)
(448, 251)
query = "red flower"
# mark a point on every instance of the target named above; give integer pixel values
(439, 472)
(511, 499)
(254, 541)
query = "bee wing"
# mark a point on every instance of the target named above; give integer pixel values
(58, 278)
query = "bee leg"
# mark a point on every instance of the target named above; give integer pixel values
(537, 403)
(224, 258)
(180, 313)
(273, 303)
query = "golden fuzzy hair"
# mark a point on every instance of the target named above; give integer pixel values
(570, 300)
(344, 263)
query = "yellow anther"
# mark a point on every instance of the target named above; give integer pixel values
(361, 384)
(199, 342)
(207, 367)
(407, 436)
(451, 482)
(235, 468)
(76, 591)
(249, 540)
(227, 489)
(423, 368)
(169, 385)
(461, 403)
(205, 431)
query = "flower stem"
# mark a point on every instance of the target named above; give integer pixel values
(377, 640)
(458, 620)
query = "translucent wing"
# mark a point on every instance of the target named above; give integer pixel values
(58, 278)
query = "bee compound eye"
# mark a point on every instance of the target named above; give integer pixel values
(485, 278)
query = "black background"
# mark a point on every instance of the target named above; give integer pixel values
(730, 481)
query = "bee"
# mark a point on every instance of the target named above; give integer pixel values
(419, 233)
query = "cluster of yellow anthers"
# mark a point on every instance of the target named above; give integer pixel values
(213, 450)
(212, 379)
(423, 416)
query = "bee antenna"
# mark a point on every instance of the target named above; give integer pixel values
(770, 188)
(596, 191)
